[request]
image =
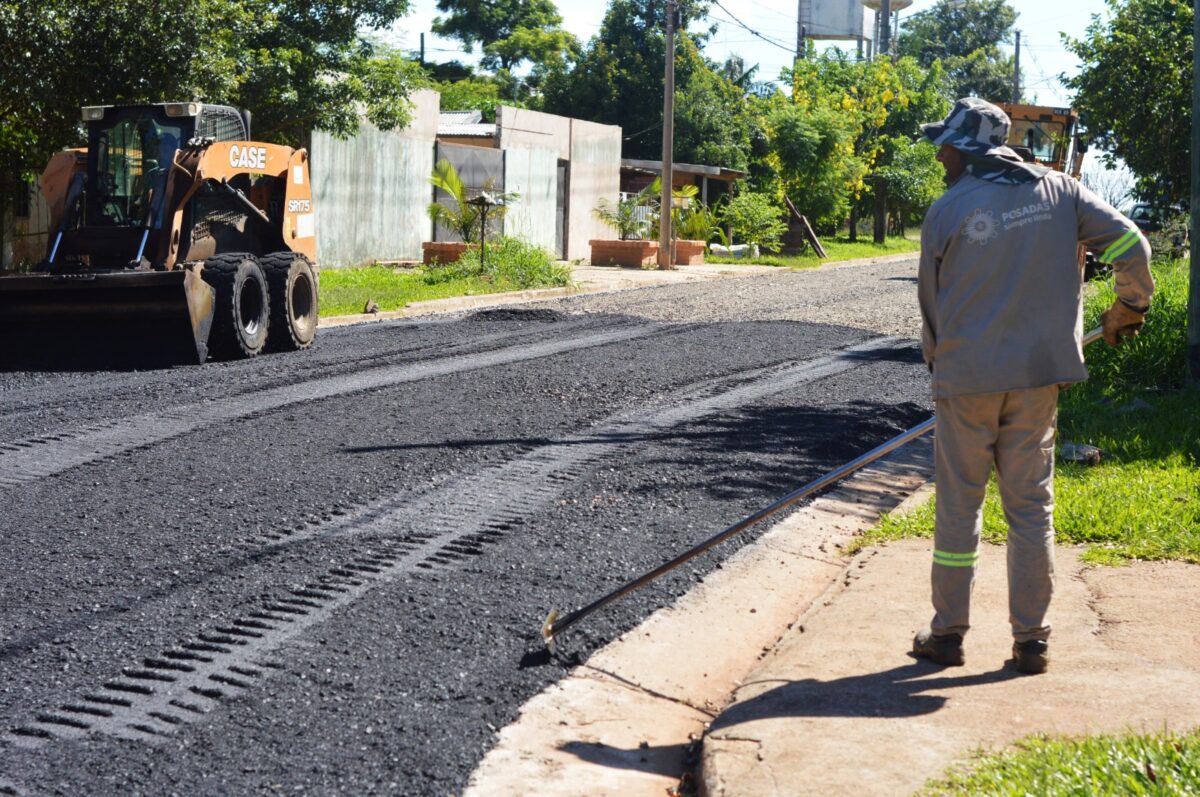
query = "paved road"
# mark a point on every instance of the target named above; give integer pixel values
(325, 571)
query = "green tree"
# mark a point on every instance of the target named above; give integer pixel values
(965, 35)
(1134, 92)
(912, 178)
(888, 102)
(812, 154)
(828, 142)
(475, 94)
(508, 31)
(713, 123)
(618, 77)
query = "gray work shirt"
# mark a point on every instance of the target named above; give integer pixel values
(1000, 282)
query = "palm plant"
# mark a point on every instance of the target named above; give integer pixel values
(697, 224)
(627, 217)
(463, 217)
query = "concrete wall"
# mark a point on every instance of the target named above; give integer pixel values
(595, 174)
(519, 128)
(533, 173)
(371, 191)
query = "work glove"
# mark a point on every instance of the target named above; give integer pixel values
(1121, 321)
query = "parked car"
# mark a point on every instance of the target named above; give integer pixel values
(1166, 227)
(1150, 218)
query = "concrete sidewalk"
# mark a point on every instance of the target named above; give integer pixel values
(840, 707)
(593, 279)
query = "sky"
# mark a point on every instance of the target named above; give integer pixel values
(1043, 57)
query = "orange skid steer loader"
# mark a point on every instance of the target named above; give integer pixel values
(172, 236)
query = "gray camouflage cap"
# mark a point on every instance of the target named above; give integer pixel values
(974, 126)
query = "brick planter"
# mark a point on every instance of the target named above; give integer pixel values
(689, 253)
(443, 251)
(633, 254)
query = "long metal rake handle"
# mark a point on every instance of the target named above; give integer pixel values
(555, 624)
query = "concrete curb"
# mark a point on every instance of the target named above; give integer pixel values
(593, 280)
(626, 722)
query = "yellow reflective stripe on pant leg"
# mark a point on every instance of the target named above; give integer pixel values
(955, 559)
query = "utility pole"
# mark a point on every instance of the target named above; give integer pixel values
(666, 259)
(885, 28)
(1017, 71)
(422, 49)
(1193, 334)
(799, 30)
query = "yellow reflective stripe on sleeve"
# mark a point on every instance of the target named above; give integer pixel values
(1120, 247)
(1132, 241)
(948, 559)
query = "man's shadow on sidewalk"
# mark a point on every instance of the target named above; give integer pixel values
(898, 692)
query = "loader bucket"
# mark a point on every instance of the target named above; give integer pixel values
(135, 319)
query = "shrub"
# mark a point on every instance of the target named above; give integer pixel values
(510, 262)
(699, 224)
(755, 220)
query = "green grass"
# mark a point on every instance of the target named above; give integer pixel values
(510, 266)
(838, 249)
(1143, 500)
(1158, 764)
(345, 291)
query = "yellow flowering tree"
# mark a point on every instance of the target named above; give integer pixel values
(828, 142)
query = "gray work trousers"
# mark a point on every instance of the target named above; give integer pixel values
(1014, 431)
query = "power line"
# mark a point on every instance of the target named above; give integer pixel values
(738, 22)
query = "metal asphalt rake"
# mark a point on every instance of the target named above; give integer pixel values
(556, 624)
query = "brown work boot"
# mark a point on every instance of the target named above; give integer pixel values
(1031, 657)
(943, 649)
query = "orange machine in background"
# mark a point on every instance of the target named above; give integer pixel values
(172, 235)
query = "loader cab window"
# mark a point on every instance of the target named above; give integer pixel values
(133, 157)
(1042, 138)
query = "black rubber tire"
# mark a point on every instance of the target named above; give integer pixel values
(293, 284)
(241, 312)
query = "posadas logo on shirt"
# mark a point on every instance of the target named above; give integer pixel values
(980, 227)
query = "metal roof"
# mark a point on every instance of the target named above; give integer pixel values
(460, 117)
(467, 130)
(464, 124)
(655, 167)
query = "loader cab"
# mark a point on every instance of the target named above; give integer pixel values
(131, 150)
(1050, 134)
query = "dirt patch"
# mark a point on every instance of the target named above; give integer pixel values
(1149, 610)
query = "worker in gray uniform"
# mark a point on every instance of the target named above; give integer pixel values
(1000, 290)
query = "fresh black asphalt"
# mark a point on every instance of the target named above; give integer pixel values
(402, 689)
